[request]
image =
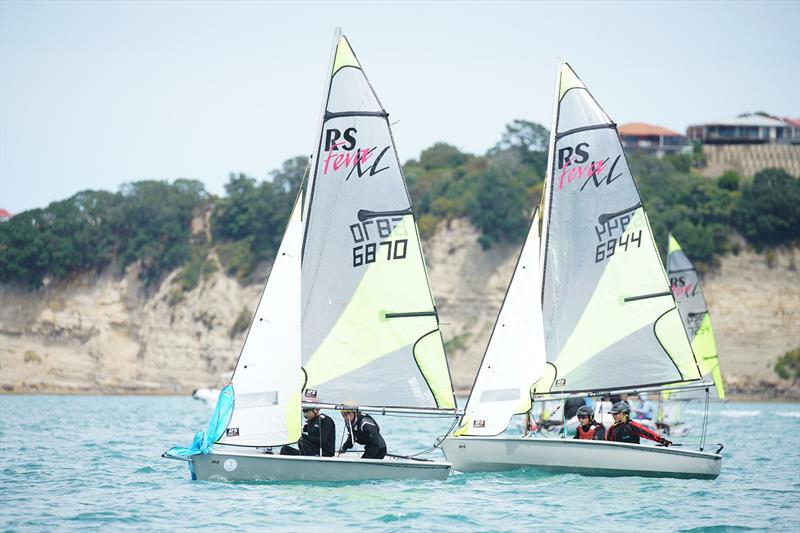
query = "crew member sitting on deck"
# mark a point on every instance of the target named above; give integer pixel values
(588, 428)
(644, 409)
(319, 434)
(364, 430)
(623, 430)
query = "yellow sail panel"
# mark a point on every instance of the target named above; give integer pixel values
(432, 362)
(716, 375)
(673, 245)
(390, 318)
(705, 348)
(344, 56)
(292, 414)
(609, 319)
(568, 80)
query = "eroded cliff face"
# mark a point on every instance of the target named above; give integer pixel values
(109, 334)
(102, 333)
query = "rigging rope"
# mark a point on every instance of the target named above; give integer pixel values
(705, 421)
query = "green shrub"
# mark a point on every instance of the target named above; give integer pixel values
(241, 323)
(459, 342)
(196, 268)
(768, 213)
(788, 365)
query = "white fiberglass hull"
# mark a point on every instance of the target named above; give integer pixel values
(599, 458)
(248, 464)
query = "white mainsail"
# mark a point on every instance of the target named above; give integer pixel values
(610, 319)
(515, 358)
(266, 381)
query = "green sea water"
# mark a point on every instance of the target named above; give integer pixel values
(94, 463)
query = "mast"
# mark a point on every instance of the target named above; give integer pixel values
(337, 34)
(548, 176)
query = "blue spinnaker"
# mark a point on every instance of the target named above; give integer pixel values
(204, 440)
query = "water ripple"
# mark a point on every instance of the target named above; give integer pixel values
(110, 475)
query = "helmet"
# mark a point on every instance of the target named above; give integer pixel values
(584, 410)
(643, 396)
(350, 406)
(620, 407)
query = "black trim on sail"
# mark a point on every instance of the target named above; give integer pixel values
(572, 88)
(366, 214)
(379, 114)
(412, 314)
(421, 373)
(669, 356)
(611, 125)
(334, 73)
(647, 296)
(681, 270)
(605, 217)
(549, 387)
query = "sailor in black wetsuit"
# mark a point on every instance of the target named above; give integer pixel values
(364, 430)
(319, 433)
(624, 430)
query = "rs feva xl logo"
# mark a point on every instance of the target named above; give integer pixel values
(573, 161)
(342, 152)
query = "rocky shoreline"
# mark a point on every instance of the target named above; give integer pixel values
(101, 333)
(781, 392)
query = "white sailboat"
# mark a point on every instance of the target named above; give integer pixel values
(610, 322)
(347, 313)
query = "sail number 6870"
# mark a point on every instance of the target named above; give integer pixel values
(369, 253)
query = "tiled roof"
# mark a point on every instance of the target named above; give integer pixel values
(640, 129)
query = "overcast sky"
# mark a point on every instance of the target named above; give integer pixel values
(96, 94)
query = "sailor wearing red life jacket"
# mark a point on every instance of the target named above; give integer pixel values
(624, 430)
(587, 428)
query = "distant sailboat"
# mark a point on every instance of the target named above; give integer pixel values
(610, 322)
(685, 284)
(347, 312)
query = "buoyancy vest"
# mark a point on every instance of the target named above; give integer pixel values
(586, 434)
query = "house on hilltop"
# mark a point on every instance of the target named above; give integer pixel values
(747, 128)
(638, 136)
